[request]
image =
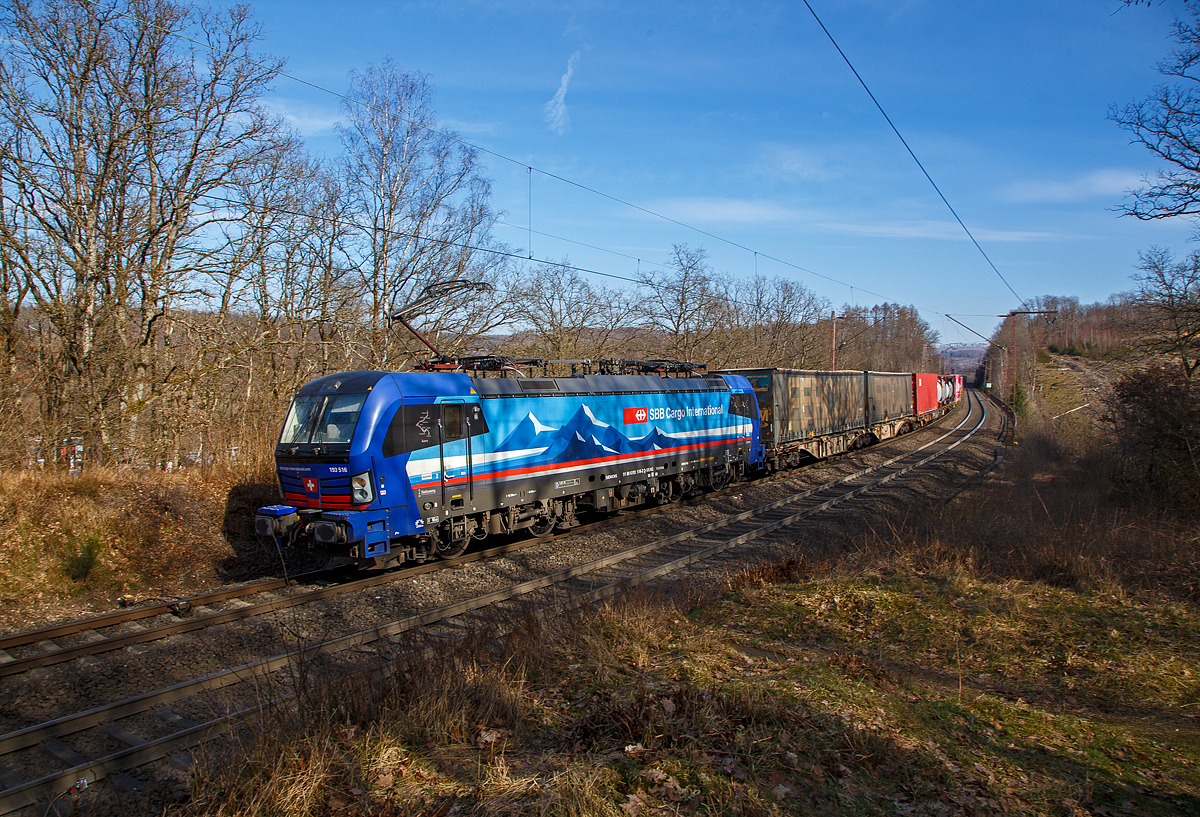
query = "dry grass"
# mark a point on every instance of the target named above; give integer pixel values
(827, 696)
(71, 540)
(1050, 516)
(834, 695)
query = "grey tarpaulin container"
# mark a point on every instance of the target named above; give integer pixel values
(889, 396)
(797, 405)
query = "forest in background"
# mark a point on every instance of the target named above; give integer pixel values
(174, 264)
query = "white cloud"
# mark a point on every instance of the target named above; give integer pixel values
(948, 230)
(309, 120)
(463, 126)
(556, 108)
(1110, 184)
(725, 211)
(785, 162)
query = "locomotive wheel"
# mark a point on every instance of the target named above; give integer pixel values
(450, 549)
(718, 479)
(542, 526)
(671, 491)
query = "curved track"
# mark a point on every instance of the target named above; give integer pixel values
(110, 740)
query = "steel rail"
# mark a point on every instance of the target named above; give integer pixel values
(109, 643)
(133, 614)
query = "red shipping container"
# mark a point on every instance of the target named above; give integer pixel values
(925, 392)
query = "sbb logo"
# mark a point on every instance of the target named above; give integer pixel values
(636, 415)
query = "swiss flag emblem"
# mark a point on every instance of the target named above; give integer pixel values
(311, 485)
(635, 415)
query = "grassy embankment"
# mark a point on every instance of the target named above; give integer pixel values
(1033, 647)
(75, 541)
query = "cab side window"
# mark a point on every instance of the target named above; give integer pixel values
(741, 405)
(452, 421)
(411, 429)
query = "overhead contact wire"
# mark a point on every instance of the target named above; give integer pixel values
(904, 142)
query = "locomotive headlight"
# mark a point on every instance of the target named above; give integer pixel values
(360, 488)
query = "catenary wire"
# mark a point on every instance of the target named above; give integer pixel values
(904, 142)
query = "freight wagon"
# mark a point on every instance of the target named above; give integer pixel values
(807, 415)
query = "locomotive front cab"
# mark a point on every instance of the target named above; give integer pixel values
(370, 464)
(336, 495)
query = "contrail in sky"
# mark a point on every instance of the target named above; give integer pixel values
(556, 108)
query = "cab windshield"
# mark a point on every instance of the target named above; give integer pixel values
(322, 419)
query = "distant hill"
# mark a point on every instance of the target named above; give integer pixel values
(962, 358)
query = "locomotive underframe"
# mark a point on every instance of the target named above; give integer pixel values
(543, 506)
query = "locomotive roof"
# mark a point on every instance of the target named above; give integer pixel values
(594, 384)
(347, 382)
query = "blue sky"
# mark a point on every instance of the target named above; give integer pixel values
(742, 120)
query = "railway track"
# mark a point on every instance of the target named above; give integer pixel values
(68, 641)
(108, 741)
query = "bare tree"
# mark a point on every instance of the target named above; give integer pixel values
(119, 142)
(884, 337)
(1167, 122)
(13, 289)
(1166, 307)
(560, 316)
(420, 212)
(772, 322)
(684, 305)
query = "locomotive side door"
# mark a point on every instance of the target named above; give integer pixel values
(452, 450)
(459, 422)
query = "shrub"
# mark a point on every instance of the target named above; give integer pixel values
(78, 565)
(1020, 400)
(1155, 415)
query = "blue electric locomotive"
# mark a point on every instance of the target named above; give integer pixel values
(377, 468)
